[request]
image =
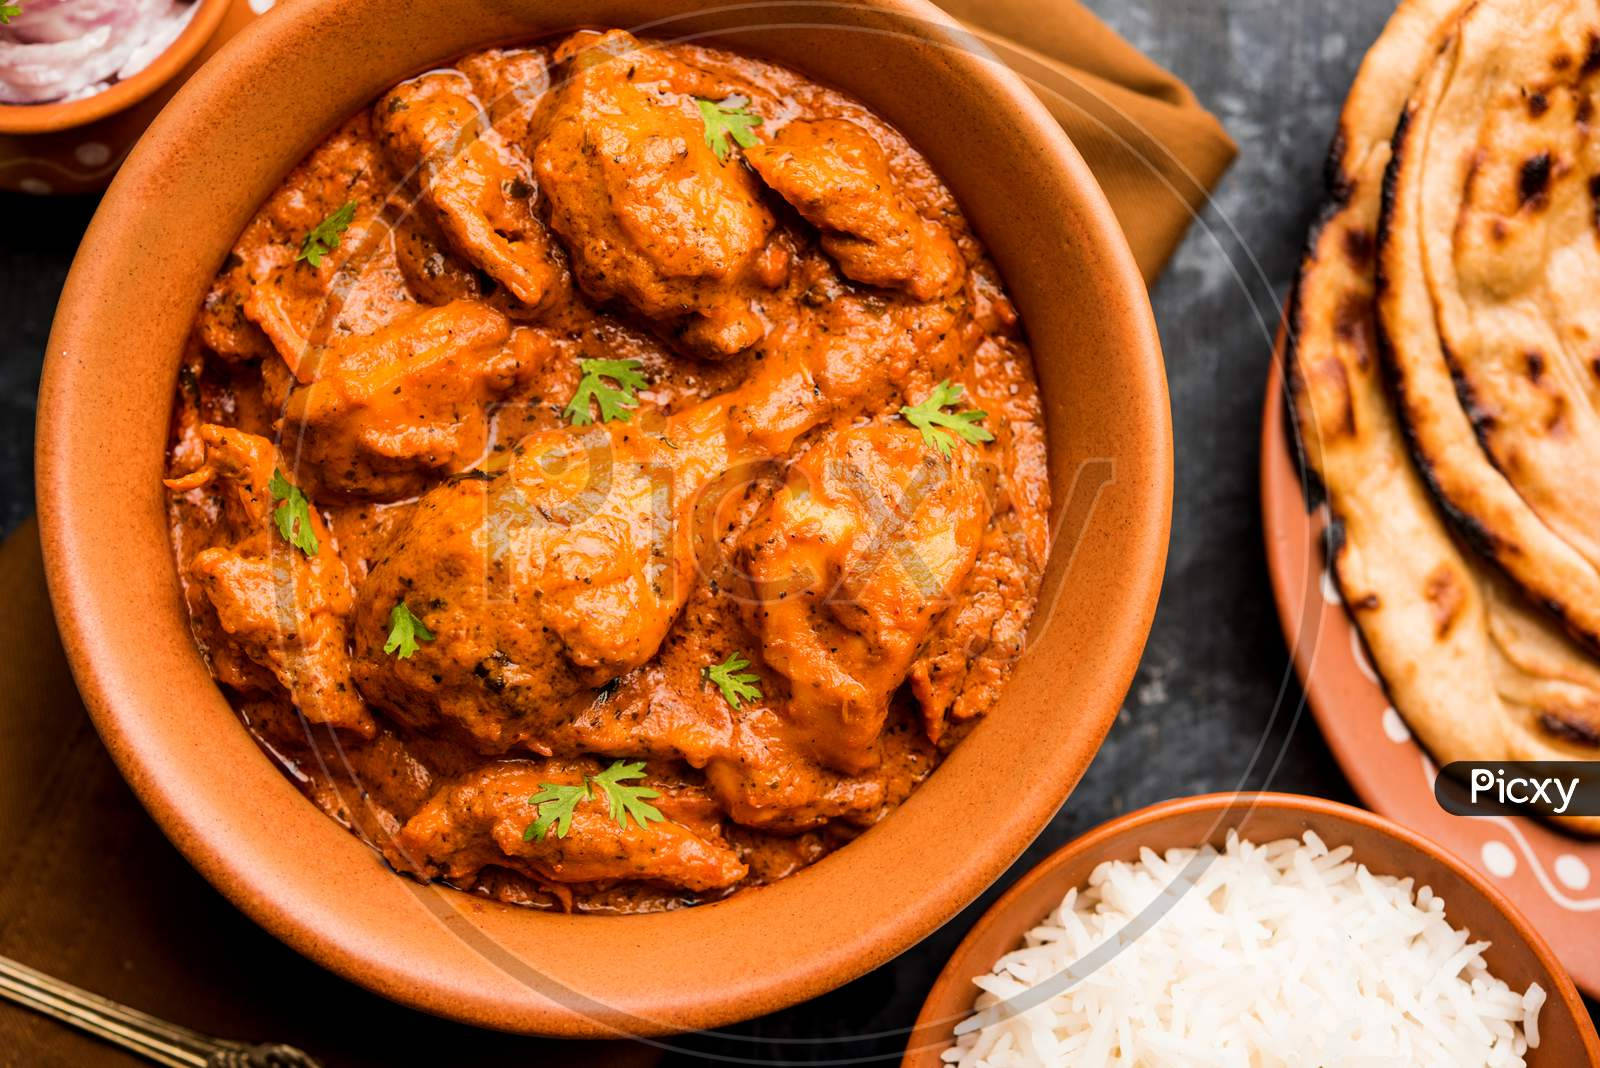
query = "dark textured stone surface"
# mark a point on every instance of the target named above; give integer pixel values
(37, 242)
(1215, 705)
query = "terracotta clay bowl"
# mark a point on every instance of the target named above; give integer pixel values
(1519, 954)
(75, 146)
(166, 224)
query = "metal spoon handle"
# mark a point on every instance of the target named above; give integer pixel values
(152, 1038)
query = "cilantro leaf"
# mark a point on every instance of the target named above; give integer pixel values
(557, 803)
(729, 118)
(554, 804)
(937, 424)
(9, 12)
(293, 515)
(324, 237)
(405, 631)
(625, 800)
(735, 683)
(615, 401)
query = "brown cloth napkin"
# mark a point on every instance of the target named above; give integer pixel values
(92, 893)
(1155, 151)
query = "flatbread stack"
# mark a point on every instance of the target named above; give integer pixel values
(1444, 368)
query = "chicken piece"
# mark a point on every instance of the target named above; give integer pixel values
(756, 765)
(852, 563)
(384, 412)
(483, 818)
(355, 289)
(773, 784)
(222, 323)
(647, 212)
(493, 671)
(668, 710)
(278, 607)
(846, 353)
(771, 781)
(556, 575)
(837, 178)
(479, 185)
(432, 270)
(345, 168)
(511, 82)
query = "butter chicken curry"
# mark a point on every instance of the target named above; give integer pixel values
(609, 475)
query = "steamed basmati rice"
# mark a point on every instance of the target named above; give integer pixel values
(1280, 954)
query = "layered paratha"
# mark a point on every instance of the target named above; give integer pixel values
(1490, 265)
(1476, 671)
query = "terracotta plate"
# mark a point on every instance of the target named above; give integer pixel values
(1554, 878)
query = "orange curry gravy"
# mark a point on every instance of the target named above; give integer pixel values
(573, 577)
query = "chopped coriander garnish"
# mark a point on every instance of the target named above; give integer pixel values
(9, 12)
(615, 401)
(293, 514)
(405, 631)
(937, 424)
(735, 683)
(625, 800)
(324, 237)
(729, 118)
(555, 803)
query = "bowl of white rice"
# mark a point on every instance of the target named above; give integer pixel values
(1253, 930)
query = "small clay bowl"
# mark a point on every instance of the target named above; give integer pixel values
(74, 146)
(1518, 954)
(170, 218)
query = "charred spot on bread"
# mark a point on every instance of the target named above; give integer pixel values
(1569, 730)
(1533, 181)
(1446, 594)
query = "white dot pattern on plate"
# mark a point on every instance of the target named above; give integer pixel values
(92, 153)
(36, 186)
(1395, 727)
(1330, 589)
(1572, 871)
(1499, 860)
(261, 7)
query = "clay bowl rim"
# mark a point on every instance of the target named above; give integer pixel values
(88, 591)
(952, 992)
(64, 115)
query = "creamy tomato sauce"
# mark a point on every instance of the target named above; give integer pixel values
(609, 475)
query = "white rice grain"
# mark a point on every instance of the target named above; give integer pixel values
(1283, 954)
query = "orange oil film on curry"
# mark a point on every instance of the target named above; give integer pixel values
(782, 294)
